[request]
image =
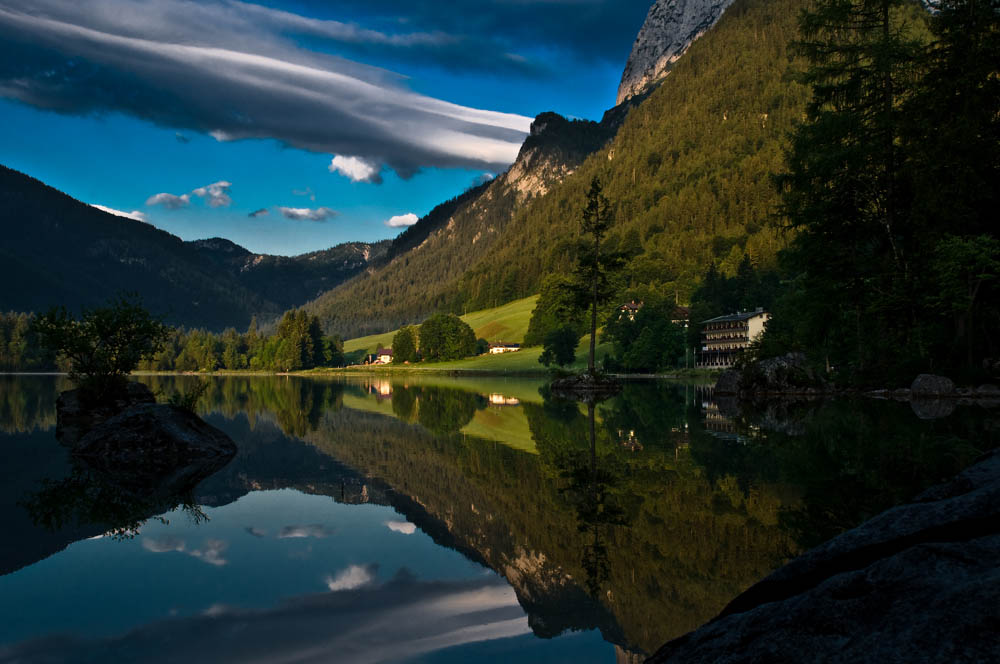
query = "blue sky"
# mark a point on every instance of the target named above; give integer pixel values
(292, 126)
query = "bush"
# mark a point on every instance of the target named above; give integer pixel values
(105, 345)
(446, 337)
(560, 346)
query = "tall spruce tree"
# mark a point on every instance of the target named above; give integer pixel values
(595, 267)
(846, 192)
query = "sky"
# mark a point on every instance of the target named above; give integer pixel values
(292, 126)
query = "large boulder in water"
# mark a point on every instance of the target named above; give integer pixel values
(75, 416)
(789, 374)
(918, 583)
(929, 385)
(150, 442)
(139, 444)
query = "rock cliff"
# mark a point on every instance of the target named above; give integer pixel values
(670, 27)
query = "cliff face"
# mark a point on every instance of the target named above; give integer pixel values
(670, 27)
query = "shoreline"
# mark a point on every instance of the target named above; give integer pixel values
(387, 369)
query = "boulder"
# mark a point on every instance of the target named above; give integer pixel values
(929, 385)
(728, 382)
(789, 374)
(75, 417)
(918, 583)
(152, 441)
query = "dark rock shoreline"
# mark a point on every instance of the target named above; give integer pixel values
(918, 583)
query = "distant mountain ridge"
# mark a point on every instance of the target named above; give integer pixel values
(59, 251)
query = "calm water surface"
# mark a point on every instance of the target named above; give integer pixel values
(439, 520)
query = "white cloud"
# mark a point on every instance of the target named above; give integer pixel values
(404, 527)
(308, 214)
(356, 169)
(216, 194)
(399, 220)
(313, 530)
(353, 577)
(196, 56)
(169, 201)
(212, 551)
(259, 213)
(134, 214)
(163, 544)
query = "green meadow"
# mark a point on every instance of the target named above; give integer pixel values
(507, 323)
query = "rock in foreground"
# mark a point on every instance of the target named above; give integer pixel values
(918, 583)
(153, 440)
(140, 444)
(75, 417)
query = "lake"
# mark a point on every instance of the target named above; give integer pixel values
(423, 519)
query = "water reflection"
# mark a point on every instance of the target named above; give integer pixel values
(641, 517)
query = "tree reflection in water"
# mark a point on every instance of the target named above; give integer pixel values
(90, 498)
(591, 484)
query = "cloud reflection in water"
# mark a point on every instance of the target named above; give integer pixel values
(369, 625)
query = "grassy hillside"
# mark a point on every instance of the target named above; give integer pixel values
(522, 362)
(689, 174)
(507, 323)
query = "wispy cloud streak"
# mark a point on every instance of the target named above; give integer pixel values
(227, 70)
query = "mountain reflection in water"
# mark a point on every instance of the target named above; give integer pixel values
(640, 517)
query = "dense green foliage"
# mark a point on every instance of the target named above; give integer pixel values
(446, 337)
(559, 346)
(60, 251)
(404, 346)
(648, 343)
(894, 271)
(19, 347)
(298, 343)
(556, 307)
(104, 345)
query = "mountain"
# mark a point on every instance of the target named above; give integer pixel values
(59, 251)
(670, 27)
(441, 247)
(687, 166)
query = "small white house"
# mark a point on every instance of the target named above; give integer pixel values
(501, 347)
(383, 356)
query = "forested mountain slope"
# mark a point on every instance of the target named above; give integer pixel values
(59, 251)
(443, 245)
(688, 172)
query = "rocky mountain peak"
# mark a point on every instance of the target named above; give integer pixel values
(670, 27)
